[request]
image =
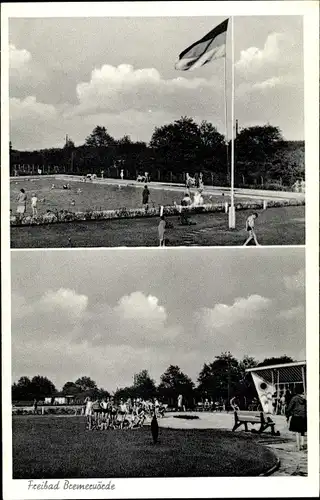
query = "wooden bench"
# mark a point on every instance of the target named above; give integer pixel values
(254, 417)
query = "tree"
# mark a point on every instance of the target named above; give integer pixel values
(174, 382)
(255, 149)
(177, 144)
(99, 138)
(37, 388)
(70, 388)
(22, 390)
(42, 387)
(220, 378)
(143, 385)
(85, 384)
(246, 390)
(276, 361)
(210, 137)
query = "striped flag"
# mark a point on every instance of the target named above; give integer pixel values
(210, 47)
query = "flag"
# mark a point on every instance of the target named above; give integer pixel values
(211, 46)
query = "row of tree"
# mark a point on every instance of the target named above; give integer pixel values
(262, 156)
(225, 377)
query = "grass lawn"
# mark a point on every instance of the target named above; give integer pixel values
(275, 226)
(53, 447)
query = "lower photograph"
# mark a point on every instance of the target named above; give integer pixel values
(132, 363)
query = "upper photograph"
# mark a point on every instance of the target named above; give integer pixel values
(156, 132)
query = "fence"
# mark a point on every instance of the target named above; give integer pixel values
(156, 175)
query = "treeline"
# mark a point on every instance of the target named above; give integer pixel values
(263, 158)
(220, 380)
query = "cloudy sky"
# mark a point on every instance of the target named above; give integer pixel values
(109, 314)
(68, 75)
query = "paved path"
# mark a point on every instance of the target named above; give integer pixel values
(292, 462)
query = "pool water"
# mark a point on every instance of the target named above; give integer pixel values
(93, 196)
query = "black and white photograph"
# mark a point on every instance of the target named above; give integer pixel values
(123, 368)
(160, 249)
(193, 138)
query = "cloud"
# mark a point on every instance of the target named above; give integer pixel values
(123, 87)
(31, 109)
(141, 308)
(295, 282)
(222, 315)
(18, 58)
(26, 76)
(296, 312)
(270, 83)
(65, 300)
(253, 58)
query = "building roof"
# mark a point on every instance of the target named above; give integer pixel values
(285, 372)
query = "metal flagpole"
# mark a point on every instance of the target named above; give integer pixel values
(226, 113)
(232, 214)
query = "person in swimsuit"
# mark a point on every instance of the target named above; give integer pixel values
(250, 228)
(34, 201)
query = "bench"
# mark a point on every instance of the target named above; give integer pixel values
(254, 417)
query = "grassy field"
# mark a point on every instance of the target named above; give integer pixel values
(275, 226)
(53, 447)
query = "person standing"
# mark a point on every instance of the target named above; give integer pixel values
(161, 231)
(180, 400)
(145, 197)
(35, 407)
(288, 396)
(297, 413)
(34, 201)
(250, 228)
(22, 203)
(121, 174)
(184, 216)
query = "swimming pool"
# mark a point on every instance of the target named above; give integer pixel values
(85, 196)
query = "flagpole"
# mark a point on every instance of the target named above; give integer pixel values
(232, 214)
(226, 113)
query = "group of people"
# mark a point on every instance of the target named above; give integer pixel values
(196, 181)
(22, 204)
(130, 414)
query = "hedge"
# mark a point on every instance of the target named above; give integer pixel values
(127, 213)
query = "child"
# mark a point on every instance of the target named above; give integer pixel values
(250, 228)
(34, 201)
(161, 231)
